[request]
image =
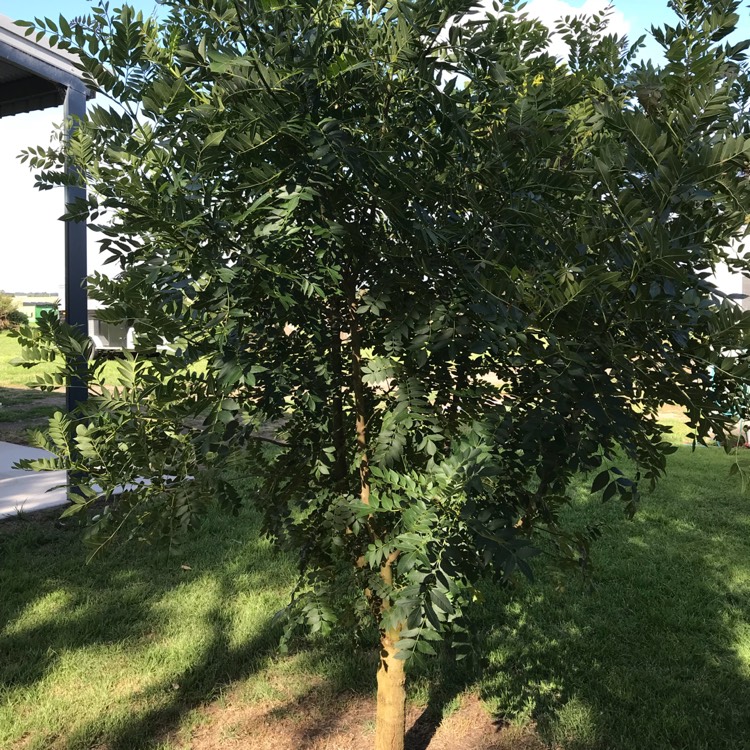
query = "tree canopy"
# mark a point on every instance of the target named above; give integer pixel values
(412, 269)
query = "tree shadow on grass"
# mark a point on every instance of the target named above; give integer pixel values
(200, 624)
(647, 658)
(55, 611)
(650, 655)
(446, 680)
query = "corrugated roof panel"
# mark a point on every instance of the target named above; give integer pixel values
(10, 72)
(33, 75)
(12, 36)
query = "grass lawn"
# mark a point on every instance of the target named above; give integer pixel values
(139, 651)
(12, 376)
(21, 407)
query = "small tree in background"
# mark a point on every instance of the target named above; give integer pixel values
(8, 312)
(418, 272)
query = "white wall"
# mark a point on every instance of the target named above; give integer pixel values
(731, 283)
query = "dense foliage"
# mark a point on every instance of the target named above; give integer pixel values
(10, 316)
(420, 271)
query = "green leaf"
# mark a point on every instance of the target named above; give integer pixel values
(213, 140)
(600, 481)
(440, 600)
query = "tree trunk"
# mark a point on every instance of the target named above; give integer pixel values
(337, 403)
(358, 390)
(390, 720)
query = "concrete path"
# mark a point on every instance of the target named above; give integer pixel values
(26, 491)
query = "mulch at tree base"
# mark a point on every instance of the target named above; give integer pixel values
(324, 722)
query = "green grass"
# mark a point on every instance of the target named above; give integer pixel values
(12, 376)
(125, 646)
(656, 653)
(21, 407)
(653, 652)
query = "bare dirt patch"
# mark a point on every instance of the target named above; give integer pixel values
(320, 721)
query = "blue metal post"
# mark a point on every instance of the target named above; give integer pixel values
(76, 307)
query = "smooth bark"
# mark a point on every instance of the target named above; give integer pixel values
(390, 722)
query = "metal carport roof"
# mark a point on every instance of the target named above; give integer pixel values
(33, 75)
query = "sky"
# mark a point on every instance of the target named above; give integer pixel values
(31, 242)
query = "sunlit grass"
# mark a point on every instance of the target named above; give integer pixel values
(94, 651)
(12, 376)
(652, 651)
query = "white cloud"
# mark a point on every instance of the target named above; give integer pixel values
(32, 239)
(32, 247)
(551, 11)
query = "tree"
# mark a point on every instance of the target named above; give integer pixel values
(9, 315)
(418, 272)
